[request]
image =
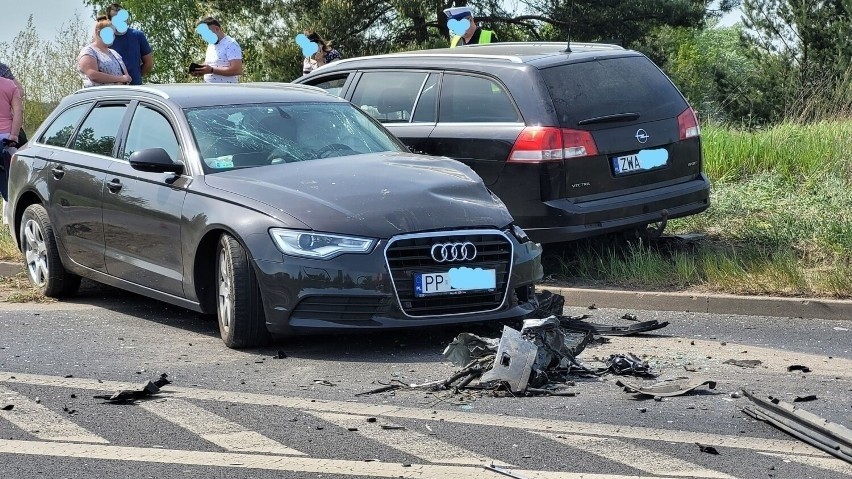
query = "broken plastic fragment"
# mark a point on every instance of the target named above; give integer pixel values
(668, 388)
(514, 361)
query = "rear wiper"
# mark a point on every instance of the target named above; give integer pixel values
(610, 118)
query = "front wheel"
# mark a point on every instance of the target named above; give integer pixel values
(44, 265)
(239, 308)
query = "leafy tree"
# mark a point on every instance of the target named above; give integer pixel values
(806, 45)
(623, 22)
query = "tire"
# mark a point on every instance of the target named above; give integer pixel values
(239, 309)
(41, 255)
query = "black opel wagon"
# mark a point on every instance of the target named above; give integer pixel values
(576, 143)
(278, 208)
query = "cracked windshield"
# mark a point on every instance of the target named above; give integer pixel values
(245, 136)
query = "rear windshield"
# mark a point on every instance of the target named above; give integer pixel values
(612, 86)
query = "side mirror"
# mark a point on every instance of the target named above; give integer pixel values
(155, 160)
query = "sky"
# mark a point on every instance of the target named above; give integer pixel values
(49, 15)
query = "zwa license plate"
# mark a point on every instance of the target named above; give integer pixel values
(642, 161)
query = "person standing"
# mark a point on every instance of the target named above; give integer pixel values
(98, 64)
(6, 72)
(473, 35)
(325, 53)
(11, 120)
(133, 47)
(223, 62)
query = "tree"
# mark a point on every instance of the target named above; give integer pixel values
(623, 22)
(814, 40)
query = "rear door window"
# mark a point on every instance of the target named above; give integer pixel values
(99, 129)
(332, 85)
(389, 96)
(60, 131)
(472, 99)
(612, 86)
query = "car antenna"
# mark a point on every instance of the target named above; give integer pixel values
(570, 17)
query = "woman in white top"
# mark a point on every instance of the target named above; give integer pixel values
(98, 64)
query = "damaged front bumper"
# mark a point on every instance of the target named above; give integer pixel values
(371, 291)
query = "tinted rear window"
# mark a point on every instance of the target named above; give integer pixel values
(610, 86)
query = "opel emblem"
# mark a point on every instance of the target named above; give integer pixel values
(448, 252)
(641, 136)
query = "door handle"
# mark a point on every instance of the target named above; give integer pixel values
(114, 185)
(58, 172)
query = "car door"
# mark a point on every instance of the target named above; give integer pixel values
(478, 123)
(404, 101)
(76, 179)
(142, 210)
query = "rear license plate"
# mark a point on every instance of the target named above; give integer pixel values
(643, 161)
(454, 281)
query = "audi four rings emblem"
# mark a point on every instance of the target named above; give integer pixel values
(447, 252)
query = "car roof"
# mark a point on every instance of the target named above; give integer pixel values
(536, 53)
(190, 95)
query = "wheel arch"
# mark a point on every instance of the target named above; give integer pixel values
(24, 201)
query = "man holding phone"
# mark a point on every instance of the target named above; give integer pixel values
(223, 62)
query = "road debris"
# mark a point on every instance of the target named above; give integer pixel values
(7, 407)
(744, 363)
(538, 359)
(323, 382)
(131, 395)
(667, 388)
(628, 364)
(810, 397)
(577, 323)
(505, 472)
(798, 367)
(514, 361)
(808, 427)
(707, 449)
(281, 355)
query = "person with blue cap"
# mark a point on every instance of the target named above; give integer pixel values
(473, 35)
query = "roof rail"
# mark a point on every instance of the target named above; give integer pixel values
(145, 89)
(510, 58)
(285, 85)
(600, 46)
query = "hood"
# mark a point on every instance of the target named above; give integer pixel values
(377, 195)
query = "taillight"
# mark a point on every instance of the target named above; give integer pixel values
(578, 143)
(687, 123)
(543, 144)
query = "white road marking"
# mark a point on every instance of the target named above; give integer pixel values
(461, 417)
(407, 441)
(216, 429)
(829, 463)
(634, 456)
(280, 463)
(41, 422)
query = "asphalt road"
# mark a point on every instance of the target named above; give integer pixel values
(248, 414)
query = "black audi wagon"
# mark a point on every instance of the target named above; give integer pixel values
(278, 208)
(576, 142)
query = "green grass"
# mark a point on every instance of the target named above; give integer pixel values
(780, 222)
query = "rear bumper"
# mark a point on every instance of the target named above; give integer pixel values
(573, 221)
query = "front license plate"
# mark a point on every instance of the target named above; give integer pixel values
(454, 281)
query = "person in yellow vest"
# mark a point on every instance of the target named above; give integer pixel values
(473, 35)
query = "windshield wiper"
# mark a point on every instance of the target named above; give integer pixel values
(610, 118)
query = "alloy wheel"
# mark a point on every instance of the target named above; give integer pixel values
(225, 310)
(35, 251)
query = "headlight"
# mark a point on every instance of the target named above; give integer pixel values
(308, 244)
